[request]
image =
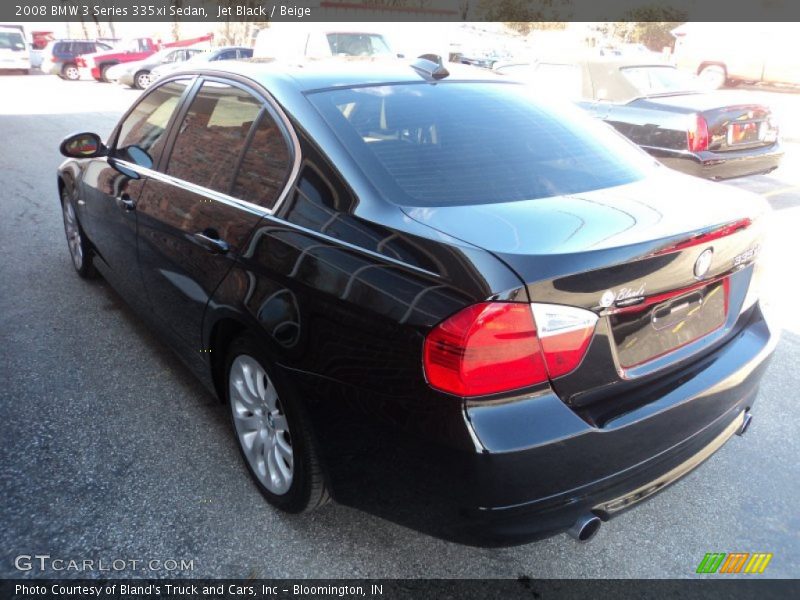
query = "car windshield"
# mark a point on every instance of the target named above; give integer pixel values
(660, 80)
(11, 40)
(457, 143)
(357, 44)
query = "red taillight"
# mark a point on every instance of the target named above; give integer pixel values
(80, 62)
(697, 135)
(493, 347)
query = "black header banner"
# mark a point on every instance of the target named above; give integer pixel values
(394, 589)
(396, 10)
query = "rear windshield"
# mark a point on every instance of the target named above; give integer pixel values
(475, 143)
(660, 79)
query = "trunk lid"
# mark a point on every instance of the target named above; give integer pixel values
(631, 254)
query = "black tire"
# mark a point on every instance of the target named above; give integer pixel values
(103, 70)
(70, 72)
(308, 489)
(84, 266)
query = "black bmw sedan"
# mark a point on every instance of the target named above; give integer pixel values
(428, 294)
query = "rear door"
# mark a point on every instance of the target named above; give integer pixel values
(198, 212)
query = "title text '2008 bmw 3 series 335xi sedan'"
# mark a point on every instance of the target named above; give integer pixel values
(426, 293)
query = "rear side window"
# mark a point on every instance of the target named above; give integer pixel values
(146, 125)
(265, 166)
(475, 143)
(212, 136)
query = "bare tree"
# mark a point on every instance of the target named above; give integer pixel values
(520, 11)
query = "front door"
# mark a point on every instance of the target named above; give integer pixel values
(108, 196)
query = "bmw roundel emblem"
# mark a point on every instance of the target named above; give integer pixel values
(703, 263)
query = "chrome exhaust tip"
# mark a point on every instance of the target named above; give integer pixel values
(585, 528)
(748, 418)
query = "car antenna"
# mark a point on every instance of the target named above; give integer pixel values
(430, 66)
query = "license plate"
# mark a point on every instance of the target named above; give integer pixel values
(747, 132)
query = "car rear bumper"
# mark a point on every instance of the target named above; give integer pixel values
(725, 165)
(603, 471)
(536, 465)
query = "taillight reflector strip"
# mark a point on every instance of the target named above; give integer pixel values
(564, 334)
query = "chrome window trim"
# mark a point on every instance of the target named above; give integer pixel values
(192, 187)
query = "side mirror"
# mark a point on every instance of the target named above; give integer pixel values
(82, 145)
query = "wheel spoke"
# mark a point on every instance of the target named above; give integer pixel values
(248, 376)
(243, 393)
(271, 397)
(279, 423)
(284, 449)
(284, 466)
(249, 422)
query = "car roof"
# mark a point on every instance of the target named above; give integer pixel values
(313, 74)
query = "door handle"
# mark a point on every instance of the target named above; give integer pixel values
(125, 202)
(212, 244)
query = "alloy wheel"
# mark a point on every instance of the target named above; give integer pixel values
(261, 424)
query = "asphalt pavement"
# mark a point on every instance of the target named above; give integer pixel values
(109, 449)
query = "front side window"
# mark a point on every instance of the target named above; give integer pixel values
(146, 125)
(212, 136)
(475, 143)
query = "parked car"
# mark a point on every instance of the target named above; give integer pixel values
(222, 53)
(60, 56)
(14, 52)
(718, 54)
(709, 134)
(137, 74)
(426, 292)
(97, 65)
